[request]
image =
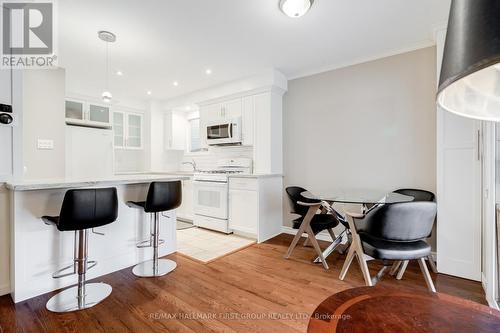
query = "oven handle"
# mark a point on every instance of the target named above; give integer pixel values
(210, 181)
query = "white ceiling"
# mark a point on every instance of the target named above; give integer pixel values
(162, 41)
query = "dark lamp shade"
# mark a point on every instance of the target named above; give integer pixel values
(469, 84)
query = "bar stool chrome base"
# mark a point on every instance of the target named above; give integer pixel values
(67, 300)
(145, 269)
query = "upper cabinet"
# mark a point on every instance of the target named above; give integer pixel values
(82, 113)
(176, 129)
(247, 120)
(220, 112)
(128, 130)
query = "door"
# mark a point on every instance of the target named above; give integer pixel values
(134, 131)
(119, 129)
(99, 114)
(210, 199)
(458, 190)
(243, 211)
(247, 121)
(185, 211)
(75, 110)
(212, 113)
(232, 109)
(459, 197)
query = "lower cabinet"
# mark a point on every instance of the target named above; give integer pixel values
(243, 211)
(185, 211)
(255, 206)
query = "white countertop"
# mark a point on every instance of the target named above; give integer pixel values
(46, 184)
(256, 175)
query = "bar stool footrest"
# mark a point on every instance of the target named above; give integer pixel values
(60, 273)
(148, 243)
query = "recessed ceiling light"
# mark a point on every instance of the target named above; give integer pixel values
(119, 73)
(149, 92)
(295, 8)
(175, 83)
(208, 71)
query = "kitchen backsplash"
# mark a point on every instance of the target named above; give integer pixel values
(209, 160)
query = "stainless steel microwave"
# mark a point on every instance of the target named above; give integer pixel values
(224, 133)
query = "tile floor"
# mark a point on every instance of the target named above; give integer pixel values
(206, 245)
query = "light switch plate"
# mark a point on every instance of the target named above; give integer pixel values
(45, 144)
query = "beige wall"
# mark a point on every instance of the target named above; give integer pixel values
(368, 126)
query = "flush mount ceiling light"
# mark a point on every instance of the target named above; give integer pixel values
(107, 37)
(295, 8)
(470, 76)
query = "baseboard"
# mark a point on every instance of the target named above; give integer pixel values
(4, 289)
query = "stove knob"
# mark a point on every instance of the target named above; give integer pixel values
(5, 118)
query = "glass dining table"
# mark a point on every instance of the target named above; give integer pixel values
(367, 199)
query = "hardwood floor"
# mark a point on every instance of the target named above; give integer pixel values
(253, 290)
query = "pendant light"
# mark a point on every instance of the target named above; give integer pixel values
(470, 76)
(107, 37)
(295, 8)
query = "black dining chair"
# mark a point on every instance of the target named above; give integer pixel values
(390, 233)
(418, 195)
(309, 221)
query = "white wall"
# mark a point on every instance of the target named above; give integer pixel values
(43, 118)
(367, 126)
(6, 132)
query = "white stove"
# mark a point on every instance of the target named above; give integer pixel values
(211, 192)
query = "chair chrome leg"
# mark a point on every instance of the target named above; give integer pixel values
(155, 267)
(402, 269)
(427, 275)
(83, 295)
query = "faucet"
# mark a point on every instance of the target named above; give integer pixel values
(193, 164)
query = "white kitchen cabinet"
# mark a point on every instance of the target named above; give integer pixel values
(232, 108)
(221, 112)
(243, 210)
(128, 130)
(176, 129)
(4, 241)
(247, 120)
(88, 114)
(255, 206)
(185, 211)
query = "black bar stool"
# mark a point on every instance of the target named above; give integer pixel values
(82, 210)
(162, 197)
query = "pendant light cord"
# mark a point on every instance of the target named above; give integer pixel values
(107, 66)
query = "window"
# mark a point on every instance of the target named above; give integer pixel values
(194, 135)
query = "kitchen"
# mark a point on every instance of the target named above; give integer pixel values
(190, 129)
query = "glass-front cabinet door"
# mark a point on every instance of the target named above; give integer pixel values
(75, 110)
(99, 113)
(127, 128)
(119, 129)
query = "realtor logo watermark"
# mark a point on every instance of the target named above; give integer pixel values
(28, 35)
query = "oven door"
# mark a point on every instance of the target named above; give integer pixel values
(210, 198)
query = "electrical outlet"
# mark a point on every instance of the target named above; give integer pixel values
(45, 144)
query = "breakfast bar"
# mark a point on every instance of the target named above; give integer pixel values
(38, 250)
